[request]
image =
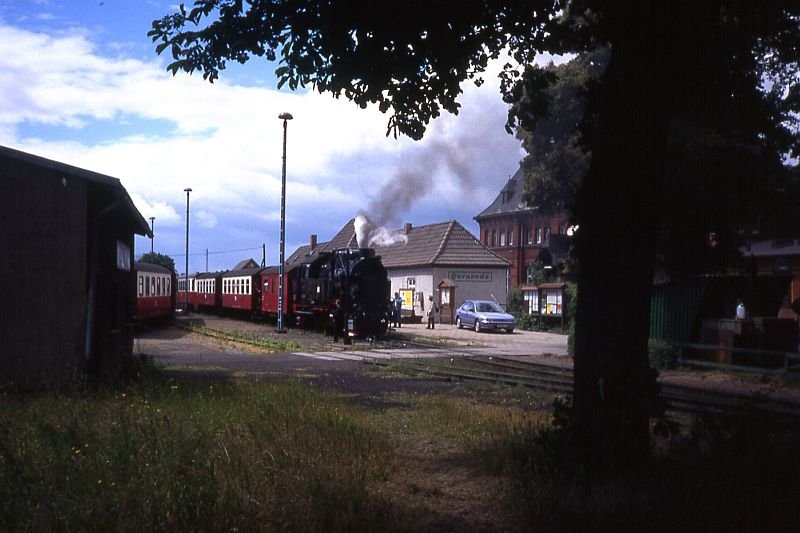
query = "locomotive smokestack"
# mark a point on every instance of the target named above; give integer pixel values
(313, 241)
(407, 228)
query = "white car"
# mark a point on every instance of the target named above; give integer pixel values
(484, 315)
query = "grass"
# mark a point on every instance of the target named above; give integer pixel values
(196, 454)
(201, 455)
(167, 454)
(264, 342)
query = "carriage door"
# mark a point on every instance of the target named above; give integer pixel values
(447, 300)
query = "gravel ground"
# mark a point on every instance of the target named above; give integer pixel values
(179, 347)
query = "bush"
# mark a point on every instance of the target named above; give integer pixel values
(662, 354)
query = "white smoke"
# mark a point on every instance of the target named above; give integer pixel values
(370, 235)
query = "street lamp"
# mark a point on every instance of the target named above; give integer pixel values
(186, 273)
(285, 117)
(152, 235)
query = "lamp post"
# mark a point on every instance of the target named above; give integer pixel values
(152, 235)
(186, 274)
(285, 117)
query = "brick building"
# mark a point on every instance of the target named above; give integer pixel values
(521, 234)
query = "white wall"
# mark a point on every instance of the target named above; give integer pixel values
(481, 283)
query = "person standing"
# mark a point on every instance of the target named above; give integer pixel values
(433, 313)
(398, 305)
(337, 320)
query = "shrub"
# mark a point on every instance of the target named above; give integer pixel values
(662, 354)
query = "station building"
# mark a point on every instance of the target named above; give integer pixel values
(521, 234)
(443, 260)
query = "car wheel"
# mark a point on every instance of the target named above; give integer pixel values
(477, 326)
(510, 330)
(459, 325)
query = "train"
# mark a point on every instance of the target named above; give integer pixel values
(350, 280)
(155, 292)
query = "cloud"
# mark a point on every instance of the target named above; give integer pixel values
(131, 119)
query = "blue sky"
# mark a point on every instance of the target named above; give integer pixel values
(80, 83)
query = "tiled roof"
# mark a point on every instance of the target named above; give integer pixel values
(440, 244)
(510, 198)
(245, 263)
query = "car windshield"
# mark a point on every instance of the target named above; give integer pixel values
(488, 307)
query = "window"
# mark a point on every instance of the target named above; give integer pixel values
(561, 229)
(538, 235)
(502, 238)
(141, 285)
(532, 301)
(530, 235)
(511, 238)
(547, 233)
(553, 302)
(494, 238)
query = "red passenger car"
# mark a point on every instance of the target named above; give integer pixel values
(155, 291)
(241, 290)
(207, 293)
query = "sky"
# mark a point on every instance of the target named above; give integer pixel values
(81, 83)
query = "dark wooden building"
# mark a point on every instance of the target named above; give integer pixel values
(68, 283)
(521, 234)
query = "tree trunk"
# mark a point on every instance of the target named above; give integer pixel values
(618, 215)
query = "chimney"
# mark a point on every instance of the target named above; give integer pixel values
(313, 241)
(407, 228)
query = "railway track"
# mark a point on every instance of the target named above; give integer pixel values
(465, 363)
(676, 397)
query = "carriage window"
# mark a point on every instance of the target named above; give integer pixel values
(141, 285)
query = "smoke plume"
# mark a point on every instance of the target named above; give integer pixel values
(370, 235)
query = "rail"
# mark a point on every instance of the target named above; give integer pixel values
(791, 360)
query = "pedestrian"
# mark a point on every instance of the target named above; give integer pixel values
(433, 313)
(398, 305)
(337, 319)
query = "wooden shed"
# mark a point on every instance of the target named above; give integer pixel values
(68, 291)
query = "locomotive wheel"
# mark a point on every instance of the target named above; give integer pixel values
(459, 325)
(477, 326)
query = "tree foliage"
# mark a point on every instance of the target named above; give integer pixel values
(407, 57)
(547, 106)
(155, 258)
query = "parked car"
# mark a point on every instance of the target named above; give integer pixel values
(484, 315)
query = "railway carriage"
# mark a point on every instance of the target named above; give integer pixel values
(155, 292)
(241, 290)
(207, 292)
(269, 291)
(186, 291)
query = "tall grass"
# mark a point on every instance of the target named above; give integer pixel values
(191, 455)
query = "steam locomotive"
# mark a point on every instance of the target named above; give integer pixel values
(350, 280)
